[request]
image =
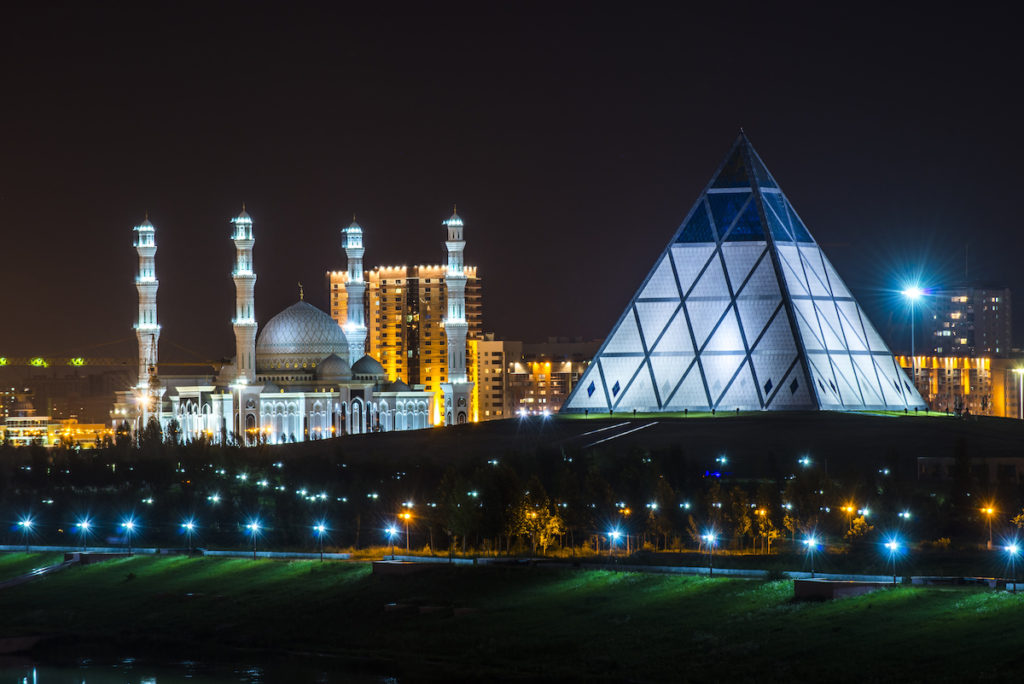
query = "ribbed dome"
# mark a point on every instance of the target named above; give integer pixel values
(301, 334)
(397, 386)
(367, 366)
(333, 368)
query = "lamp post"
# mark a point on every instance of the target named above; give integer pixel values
(989, 511)
(189, 527)
(254, 529)
(320, 529)
(613, 537)
(129, 527)
(894, 547)
(812, 544)
(406, 516)
(83, 529)
(710, 538)
(1013, 551)
(912, 294)
(26, 528)
(392, 532)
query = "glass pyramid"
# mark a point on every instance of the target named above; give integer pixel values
(743, 311)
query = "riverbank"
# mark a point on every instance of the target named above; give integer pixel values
(519, 622)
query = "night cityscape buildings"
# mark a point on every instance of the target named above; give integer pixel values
(743, 311)
(969, 320)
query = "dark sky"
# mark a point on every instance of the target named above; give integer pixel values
(574, 142)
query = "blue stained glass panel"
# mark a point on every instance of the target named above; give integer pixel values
(734, 172)
(799, 231)
(775, 210)
(615, 388)
(698, 228)
(725, 207)
(590, 389)
(748, 227)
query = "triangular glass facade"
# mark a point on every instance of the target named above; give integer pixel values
(743, 311)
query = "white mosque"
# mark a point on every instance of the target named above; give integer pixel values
(302, 378)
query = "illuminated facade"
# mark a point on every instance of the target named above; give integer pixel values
(743, 310)
(459, 387)
(147, 329)
(980, 386)
(972, 320)
(405, 308)
(296, 380)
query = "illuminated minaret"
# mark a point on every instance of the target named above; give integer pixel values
(355, 326)
(146, 329)
(245, 283)
(458, 388)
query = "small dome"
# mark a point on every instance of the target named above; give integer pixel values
(367, 366)
(269, 388)
(301, 334)
(333, 368)
(455, 220)
(397, 386)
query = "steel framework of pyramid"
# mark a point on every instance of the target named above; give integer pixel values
(743, 311)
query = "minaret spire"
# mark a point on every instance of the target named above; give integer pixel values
(245, 284)
(458, 388)
(355, 289)
(147, 329)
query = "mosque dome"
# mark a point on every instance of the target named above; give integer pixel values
(299, 337)
(368, 366)
(397, 386)
(333, 368)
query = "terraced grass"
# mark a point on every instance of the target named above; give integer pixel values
(14, 564)
(526, 622)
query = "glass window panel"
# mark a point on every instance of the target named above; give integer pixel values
(725, 207)
(734, 172)
(748, 227)
(698, 228)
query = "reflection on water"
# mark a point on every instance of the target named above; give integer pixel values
(132, 671)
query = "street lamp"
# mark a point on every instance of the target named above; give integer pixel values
(189, 526)
(1013, 551)
(894, 547)
(989, 511)
(392, 533)
(83, 529)
(406, 516)
(912, 294)
(129, 527)
(711, 539)
(254, 529)
(613, 537)
(812, 545)
(320, 529)
(26, 528)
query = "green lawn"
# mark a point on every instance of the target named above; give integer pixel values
(14, 564)
(527, 622)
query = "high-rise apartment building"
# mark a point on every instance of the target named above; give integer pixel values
(970, 320)
(405, 308)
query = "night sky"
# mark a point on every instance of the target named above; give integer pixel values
(574, 143)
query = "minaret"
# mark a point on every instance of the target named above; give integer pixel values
(147, 330)
(245, 283)
(458, 388)
(355, 288)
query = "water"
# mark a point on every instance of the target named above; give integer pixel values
(132, 671)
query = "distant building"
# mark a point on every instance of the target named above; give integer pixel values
(981, 386)
(972, 320)
(523, 378)
(24, 428)
(405, 309)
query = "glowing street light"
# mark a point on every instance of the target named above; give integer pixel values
(392, 532)
(406, 516)
(129, 527)
(711, 539)
(84, 525)
(804, 461)
(1012, 550)
(26, 529)
(894, 546)
(912, 294)
(320, 529)
(1019, 372)
(613, 538)
(989, 511)
(189, 527)
(812, 545)
(254, 529)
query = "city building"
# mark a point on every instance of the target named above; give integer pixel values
(22, 427)
(979, 386)
(406, 309)
(969, 320)
(301, 377)
(743, 311)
